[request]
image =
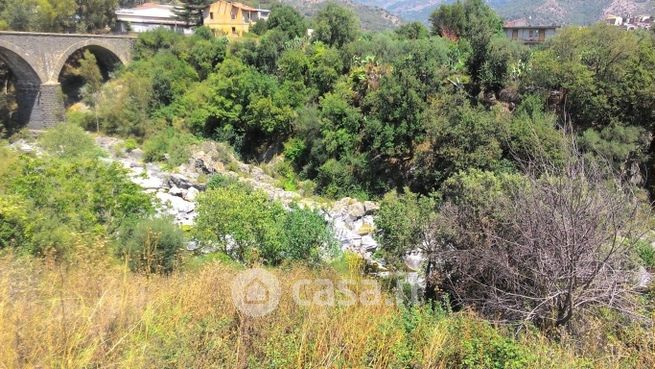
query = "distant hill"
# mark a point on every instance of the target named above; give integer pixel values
(373, 18)
(538, 11)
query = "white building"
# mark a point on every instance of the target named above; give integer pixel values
(614, 20)
(263, 14)
(148, 17)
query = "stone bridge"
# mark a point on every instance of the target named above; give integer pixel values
(37, 59)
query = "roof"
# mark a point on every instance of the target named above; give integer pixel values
(244, 7)
(149, 13)
(523, 23)
(149, 10)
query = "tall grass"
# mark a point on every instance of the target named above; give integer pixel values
(103, 316)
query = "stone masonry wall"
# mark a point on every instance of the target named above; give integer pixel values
(37, 60)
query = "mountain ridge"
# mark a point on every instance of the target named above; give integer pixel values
(537, 11)
(372, 17)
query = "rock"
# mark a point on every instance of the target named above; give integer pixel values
(176, 204)
(148, 182)
(377, 266)
(135, 155)
(413, 260)
(26, 147)
(191, 194)
(176, 191)
(365, 229)
(350, 241)
(188, 219)
(356, 210)
(180, 181)
(369, 244)
(342, 204)
(200, 165)
(371, 207)
(644, 279)
(192, 245)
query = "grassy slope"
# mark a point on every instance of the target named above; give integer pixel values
(88, 316)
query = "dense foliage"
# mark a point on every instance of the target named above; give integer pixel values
(246, 225)
(62, 203)
(363, 114)
(516, 172)
(59, 15)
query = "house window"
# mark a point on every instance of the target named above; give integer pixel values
(234, 30)
(233, 12)
(211, 15)
(533, 34)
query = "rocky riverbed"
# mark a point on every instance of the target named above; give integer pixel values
(177, 189)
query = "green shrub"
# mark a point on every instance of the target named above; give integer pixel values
(242, 223)
(294, 149)
(170, 146)
(307, 235)
(151, 245)
(497, 353)
(84, 119)
(221, 180)
(85, 195)
(69, 141)
(646, 253)
(130, 144)
(249, 227)
(64, 208)
(13, 222)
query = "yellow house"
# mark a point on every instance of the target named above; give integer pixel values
(230, 18)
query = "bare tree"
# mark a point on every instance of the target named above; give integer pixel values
(552, 247)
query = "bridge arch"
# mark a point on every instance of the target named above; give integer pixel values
(36, 61)
(13, 56)
(27, 82)
(107, 56)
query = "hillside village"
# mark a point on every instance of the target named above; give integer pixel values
(234, 19)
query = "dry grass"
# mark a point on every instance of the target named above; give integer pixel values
(102, 316)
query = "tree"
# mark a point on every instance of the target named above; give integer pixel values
(403, 222)
(503, 57)
(286, 19)
(55, 15)
(473, 21)
(19, 15)
(546, 248)
(190, 11)
(601, 74)
(95, 15)
(90, 72)
(459, 137)
(59, 15)
(413, 31)
(205, 55)
(336, 26)
(248, 226)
